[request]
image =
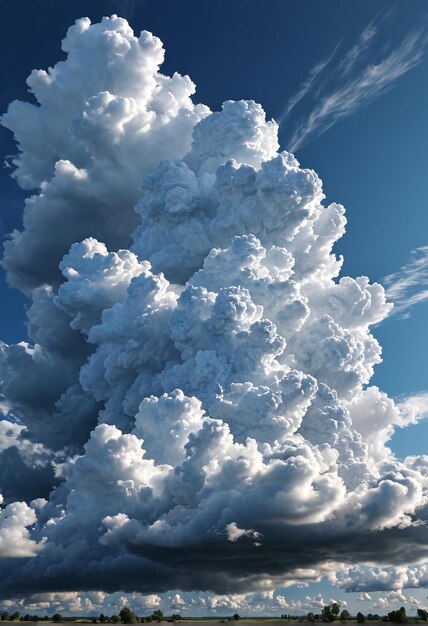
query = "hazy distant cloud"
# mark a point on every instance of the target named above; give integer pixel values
(364, 579)
(261, 603)
(409, 285)
(364, 597)
(333, 92)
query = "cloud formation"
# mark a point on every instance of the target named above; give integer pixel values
(197, 376)
(110, 116)
(392, 579)
(409, 285)
(336, 90)
(93, 603)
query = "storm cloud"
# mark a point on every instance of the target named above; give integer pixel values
(193, 410)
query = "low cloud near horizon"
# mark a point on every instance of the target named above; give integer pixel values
(194, 410)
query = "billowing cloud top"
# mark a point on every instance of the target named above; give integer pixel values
(193, 409)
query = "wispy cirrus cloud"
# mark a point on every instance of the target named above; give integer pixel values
(306, 87)
(333, 92)
(409, 285)
(355, 53)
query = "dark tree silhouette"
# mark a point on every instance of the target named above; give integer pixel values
(157, 615)
(330, 612)
(399, 616)
(127, 616)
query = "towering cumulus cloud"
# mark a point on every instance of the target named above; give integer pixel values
(193, 409)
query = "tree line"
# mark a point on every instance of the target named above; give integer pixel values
(332, 612)
(5, 616)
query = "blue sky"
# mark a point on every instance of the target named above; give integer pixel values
(374, 161)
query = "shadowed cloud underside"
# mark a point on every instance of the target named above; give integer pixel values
(194, 408)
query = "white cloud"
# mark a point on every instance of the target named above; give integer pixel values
(364, 597)
(314, 76)
(391, 579)
(177, 602)
(15, 536)
(409, 285)
(109, 121)
(356, 80)
(234, 533)
(413, 408)
(197, 371)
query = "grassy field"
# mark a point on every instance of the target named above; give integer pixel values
(256, 621)
(217, 620)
